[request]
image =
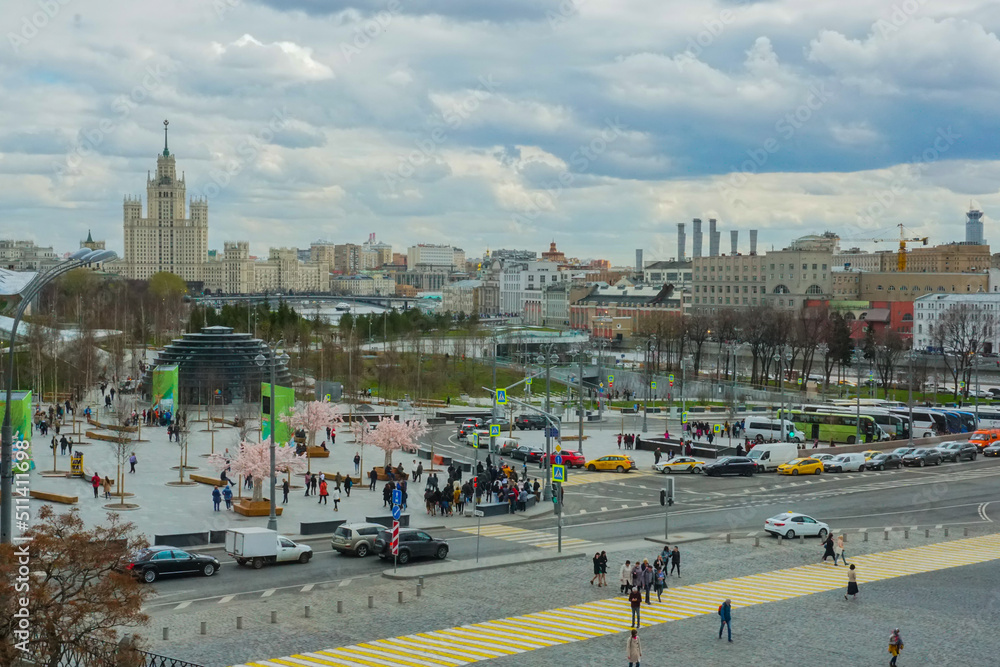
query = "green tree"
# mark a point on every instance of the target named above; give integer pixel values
(165, 285)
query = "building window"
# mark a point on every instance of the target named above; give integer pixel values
(814, 289)
(781, 289)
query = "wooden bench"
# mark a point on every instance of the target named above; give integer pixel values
(396, 478)
(205, 479)
(113, 427)
(102, 436)
(226, 422)
(54, 497)
(574, 438)
(317, 453)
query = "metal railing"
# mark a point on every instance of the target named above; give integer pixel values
(98, 653)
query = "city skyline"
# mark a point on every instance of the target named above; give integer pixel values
(434, 127)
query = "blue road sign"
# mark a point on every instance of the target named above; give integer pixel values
(494, 430)
(397, 497)
(557, 460)
(551, 432)
(396, 512)
(558, 473)
(501, 397)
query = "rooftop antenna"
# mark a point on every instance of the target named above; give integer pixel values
(166, 151)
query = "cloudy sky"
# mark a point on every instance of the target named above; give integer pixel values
(599, 124)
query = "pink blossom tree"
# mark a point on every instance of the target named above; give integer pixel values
(313, 417)
(390, 436)
(254, 459)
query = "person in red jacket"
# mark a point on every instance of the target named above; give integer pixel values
(95, 481)
(323, 492)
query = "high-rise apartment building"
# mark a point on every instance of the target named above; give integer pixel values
(166, 238)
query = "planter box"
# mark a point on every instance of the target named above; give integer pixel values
(247, 507)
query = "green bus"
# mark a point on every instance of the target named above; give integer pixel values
(835, 427)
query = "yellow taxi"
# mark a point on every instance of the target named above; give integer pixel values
(679, 464)
(870, 453)
(801, 467)
(617, 462)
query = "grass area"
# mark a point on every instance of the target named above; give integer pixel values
(438, 378)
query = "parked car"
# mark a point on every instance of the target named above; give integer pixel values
(355, 538)
(792, 524)
(823, 457)
(730, 465)
(884, 461)
(530, 422)
(922, 456)
(852, 462)
(499, 421)
(679, 464)
(902, 451)
(869, 453)
(153, 562)
(956, 451)
(413, 543)
(569, 458)
(806, 466)
(508, 446)
(985, 437)
(529, 454)
(260, 547)
(617, 462)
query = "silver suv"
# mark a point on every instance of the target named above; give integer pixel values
(355, 538)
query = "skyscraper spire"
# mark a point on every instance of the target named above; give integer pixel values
(166, 151)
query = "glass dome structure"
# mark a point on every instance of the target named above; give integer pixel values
(218, 365)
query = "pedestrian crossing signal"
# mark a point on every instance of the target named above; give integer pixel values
(501, 397)
(494, 430)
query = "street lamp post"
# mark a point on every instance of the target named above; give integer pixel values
(858, 358)
(272, 518)
(600, 380)
(823, 349)
(650, 346)
(909, 398)
(548, 358)
(80, 258)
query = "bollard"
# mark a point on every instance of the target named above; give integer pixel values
(802, 539)
(340, 606)
(729, 538)
(779, 540)
(166, 634)
(420, 581)
(927, 532)
(906, 533)
(946, 532)
(966, 532)
(886, 538)
(419, 587)
(399, 597)
(371, 601)
(866, 537)
(307, 611)
(204, 628)
(756, 541)
(844, 535)
(274, 617)
(239, 622)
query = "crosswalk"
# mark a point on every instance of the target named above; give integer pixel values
(534, 538)
(468, 644)
(579, 477)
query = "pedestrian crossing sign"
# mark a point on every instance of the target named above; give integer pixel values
(501, 397)
(653, 384)
(559, 473)
(494, 430)
(671, 378)
(684, 418)
(528, 382)
(611, 379)
(475, 440)
(717, 428)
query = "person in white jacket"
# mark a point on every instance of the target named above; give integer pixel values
(625, 576)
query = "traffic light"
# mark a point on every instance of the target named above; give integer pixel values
(667, 494)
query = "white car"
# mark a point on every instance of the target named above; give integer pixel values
(822, 458)
(793, 524)
(679, 464)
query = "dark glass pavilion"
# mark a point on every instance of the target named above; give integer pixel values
(219, 363)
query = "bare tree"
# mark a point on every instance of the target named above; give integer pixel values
(886, 354)
(959, 335)
(123, 442)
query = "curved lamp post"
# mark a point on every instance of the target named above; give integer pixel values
(80, 258)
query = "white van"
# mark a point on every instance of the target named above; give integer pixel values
(770, 455)
(762, 429)
(853, 462)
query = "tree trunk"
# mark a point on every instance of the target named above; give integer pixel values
(258, 489)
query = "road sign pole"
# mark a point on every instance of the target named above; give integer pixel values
(475, 489)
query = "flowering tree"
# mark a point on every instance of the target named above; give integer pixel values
(390, 435)
(254, 459)
(313, 418)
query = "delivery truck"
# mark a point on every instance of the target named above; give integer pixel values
(260, 546)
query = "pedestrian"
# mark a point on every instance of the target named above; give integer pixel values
(107, 488)
(619, 441)
(386, 494)
(336, 499)
(603, 581)
(348, 483)
(895, 646)
(597, 570)
(656, 456)
(675, 561)
(635, 601)
(314, 483)
(357, 463)
(62, 444)
(216, 498)
(659, 580)
(625, 577)
(839, 550)
(372, 479)
(828, 551)
(227, 495)
(647, 579)
(323, 493)
(284, 492)
(726, 619)
(132, 460)
(852, 584)
(95, 481)
(633, 649)
(420, 472)
(308, 480)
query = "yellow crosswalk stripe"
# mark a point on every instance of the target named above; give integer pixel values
(576, 478)
(468, 644)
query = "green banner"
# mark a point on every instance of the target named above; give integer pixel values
(20, 421)
(166, 380)
(284, 403)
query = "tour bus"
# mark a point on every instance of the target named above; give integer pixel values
(989, 417)
(826, 427)
(897, 427)
(967, 419)
(926, 422)
(867, 403)
(952, 421)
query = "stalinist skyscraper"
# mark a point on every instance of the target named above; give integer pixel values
(166, 239)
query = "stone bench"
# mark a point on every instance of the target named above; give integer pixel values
(499, 509)
(386, 520)
(182, 539)
(319, 527)
(205, 479)
(54, 497)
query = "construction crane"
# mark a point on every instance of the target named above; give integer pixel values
(903, 240)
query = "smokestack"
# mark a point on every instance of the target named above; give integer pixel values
(753, 241)
(681, 241)
(734, 240)
(696, 240)
(713, 239)
(638, 260)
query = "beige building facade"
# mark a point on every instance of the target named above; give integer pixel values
(907, 286)
(950, 258)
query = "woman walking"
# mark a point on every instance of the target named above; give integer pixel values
(828, 549)
(852, 584)
(336, 499)
(633, 649)
(625, 577)
(659, 580)
(597, 570)
(839, 551)
(323, 493)
(216, 498)
(895, 646)
(603, 581)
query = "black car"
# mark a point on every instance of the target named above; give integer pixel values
(921, 457)
(885, 461)
(154, 562)
(992, 450)
(530, 422)
(731, 465)
(956, 451)
(529, 454)
(413, 543)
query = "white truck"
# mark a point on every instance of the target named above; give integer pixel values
(770, 455)
(260, 546)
